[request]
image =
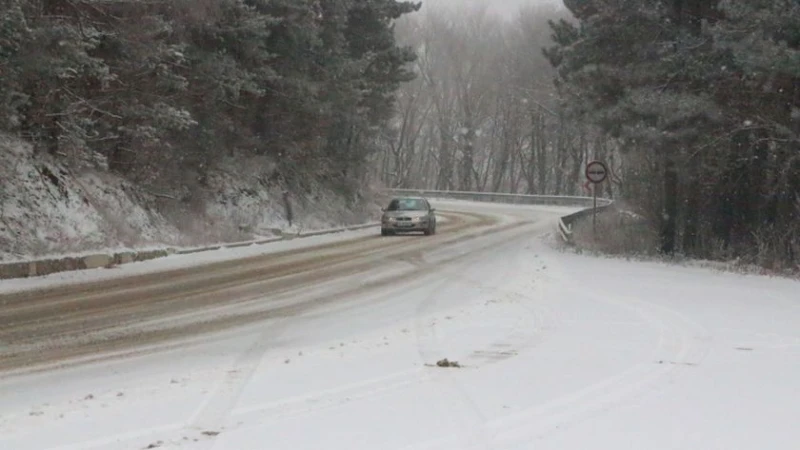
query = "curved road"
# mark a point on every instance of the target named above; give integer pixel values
(63, 324)
(334, 344)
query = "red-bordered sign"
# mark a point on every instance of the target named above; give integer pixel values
(596, 172)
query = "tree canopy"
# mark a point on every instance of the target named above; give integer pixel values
(703, 97)
(159, 90)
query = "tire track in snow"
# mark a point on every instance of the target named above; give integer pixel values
(331, 398)
(527, 332)
(534, 423)
(57, 336)
(682, 343)
(212, 416)
(222, 409)
(218, 412)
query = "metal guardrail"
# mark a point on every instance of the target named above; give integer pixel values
(47, 266)
(495, 197)
(24, 269)
(564, 223)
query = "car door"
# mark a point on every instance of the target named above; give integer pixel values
(431, 215)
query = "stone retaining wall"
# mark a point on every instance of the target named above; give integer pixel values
(26, 269)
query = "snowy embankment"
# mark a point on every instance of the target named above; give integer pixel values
(47, 209)
(557, 351)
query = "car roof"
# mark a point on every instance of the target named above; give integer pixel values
(405, 197)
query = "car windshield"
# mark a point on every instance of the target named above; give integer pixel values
(406, 204)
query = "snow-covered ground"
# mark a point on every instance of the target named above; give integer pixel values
(557, 351)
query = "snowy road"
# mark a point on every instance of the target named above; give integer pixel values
(558, 351)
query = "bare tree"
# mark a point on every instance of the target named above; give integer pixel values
(483, 113)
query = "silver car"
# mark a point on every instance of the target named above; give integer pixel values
(406, 214)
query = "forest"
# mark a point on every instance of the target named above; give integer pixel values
(693, 104)
(161, 90)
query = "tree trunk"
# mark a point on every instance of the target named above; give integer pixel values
(445, 178)
(467, 157)
(691, 210)
(541, 157)
(670, 207)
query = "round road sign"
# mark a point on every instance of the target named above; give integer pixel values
(596, 172)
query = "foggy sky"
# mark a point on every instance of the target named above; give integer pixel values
(504, 7)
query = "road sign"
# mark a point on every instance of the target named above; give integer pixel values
(596, 172)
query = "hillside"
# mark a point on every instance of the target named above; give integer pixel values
(48, 208)
(140, 123)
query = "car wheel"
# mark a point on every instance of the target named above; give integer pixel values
(428, 231)
(384, 232)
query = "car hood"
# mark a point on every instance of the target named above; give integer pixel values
(411, 214)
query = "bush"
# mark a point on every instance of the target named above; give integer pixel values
(623, 233)
(619, 232)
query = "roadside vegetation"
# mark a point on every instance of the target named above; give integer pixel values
(162, 90)
(694, 106)
(703, 101)
(197, 105)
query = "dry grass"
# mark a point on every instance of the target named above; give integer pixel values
(623, 234)
(618, 232)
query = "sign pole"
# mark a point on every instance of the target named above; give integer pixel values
(596, 173)
(594, 212)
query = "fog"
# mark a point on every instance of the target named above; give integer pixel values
(504, 7)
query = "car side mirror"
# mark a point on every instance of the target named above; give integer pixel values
(383, 209)
(433, 209)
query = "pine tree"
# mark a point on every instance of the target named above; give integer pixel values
(702, 95)
(164, 90)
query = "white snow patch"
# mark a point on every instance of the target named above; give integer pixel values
(559, 351)
(47, 209)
